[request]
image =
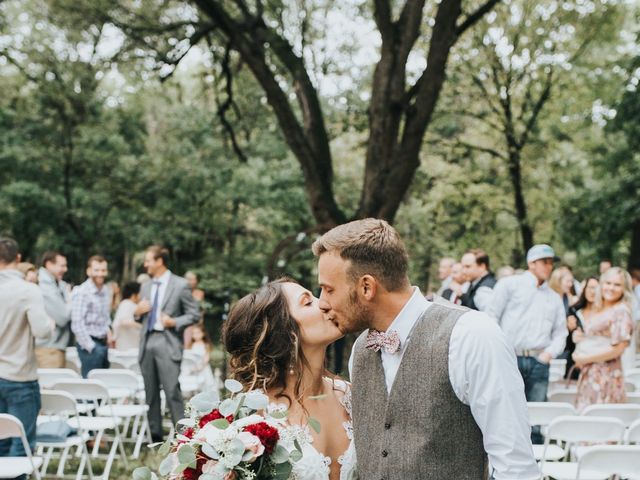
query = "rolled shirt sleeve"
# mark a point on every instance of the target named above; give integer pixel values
(484, 375)
(559, 330)
(483, 298)
(498, 301)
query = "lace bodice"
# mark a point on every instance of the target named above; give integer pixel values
(314, 465)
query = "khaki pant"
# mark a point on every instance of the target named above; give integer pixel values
(50, 357)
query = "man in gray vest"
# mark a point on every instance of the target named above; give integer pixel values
(51, 353)
(435, 386)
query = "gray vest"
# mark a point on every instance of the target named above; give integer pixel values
(421, 430)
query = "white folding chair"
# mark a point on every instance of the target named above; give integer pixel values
(543, 413)
(48, 377)
(633, 433)
(574, 430)
(12, 467)
(59, 405)
(134, 415)
(95, 393)
(627, 413)
(563, 396)
(604, 461)
(633, 397)
(633, 376)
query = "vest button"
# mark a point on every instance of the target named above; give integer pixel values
(387, 426)
(384, 453)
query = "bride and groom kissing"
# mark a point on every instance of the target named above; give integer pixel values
(435, 392)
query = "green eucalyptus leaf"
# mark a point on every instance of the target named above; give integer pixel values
(315, 424)
(278, 415)
(295, 455)
(282, 471)
(141, 473)
(256, 400)
(220, 423)
(279, 455)
(209, 451)
(163, 451)
(228, 407)
(186, 454)
(233, 386)
(166, 466)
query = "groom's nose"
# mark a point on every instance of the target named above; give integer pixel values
(324, 305)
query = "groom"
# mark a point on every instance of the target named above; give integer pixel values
(435, 386)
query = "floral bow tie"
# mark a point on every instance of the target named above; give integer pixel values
(387, 341)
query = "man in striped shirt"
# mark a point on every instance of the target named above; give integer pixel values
(90, 319)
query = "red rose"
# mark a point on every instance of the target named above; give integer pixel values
(194, 473)
(268, 435)
(188, 432)
(213, 415)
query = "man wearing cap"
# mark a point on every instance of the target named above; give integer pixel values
(532, 317)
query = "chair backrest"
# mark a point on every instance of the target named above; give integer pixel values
(557, 368)
(608, 460)
(48, 377)
(542, 413)
(633, 397)
(576, 429)
(629, 387)
(633, 376)
(633, 433)
(562, 397)
(10, 427)
(85, 389)
(626, 412)
(116, 378)
(58, 402)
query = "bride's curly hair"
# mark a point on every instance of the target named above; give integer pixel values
(262, 338)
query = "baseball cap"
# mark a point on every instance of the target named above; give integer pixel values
(541, 251)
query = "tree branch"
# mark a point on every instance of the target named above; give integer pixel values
(474, 17)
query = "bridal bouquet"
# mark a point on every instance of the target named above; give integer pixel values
(234, 439)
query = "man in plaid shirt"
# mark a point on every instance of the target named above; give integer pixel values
(90, 317)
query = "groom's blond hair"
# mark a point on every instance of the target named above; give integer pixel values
(373, 247)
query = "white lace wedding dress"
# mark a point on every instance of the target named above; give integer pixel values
(314, 465)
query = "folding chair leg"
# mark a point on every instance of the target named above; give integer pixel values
(121, 447)
(63, 461)
(110, 458)
(139, 438)
(46, 460)
(88, 460)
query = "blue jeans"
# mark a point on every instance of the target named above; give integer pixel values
(22, 400)
(536, 380)
(97, 358)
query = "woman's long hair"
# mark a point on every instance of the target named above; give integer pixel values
(582, 301)
(627, 295)
(262, 338)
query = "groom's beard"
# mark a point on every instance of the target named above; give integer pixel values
(358, 316)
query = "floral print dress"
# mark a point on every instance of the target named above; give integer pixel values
(603, 382)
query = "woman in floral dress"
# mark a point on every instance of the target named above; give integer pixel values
(607, 333)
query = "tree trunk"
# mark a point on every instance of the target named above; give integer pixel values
(634, 250)
(515, 175)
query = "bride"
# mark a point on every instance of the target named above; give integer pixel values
(277, 337)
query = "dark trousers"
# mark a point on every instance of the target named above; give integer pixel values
(158, 368)
(22, 400)
(536, 381)
(96, 358)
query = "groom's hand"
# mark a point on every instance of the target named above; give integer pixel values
(167, 321)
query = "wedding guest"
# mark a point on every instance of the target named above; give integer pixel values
(504, 272)
(475, 264)
(458, 285)
(55, 291)
(605, 264)
(533, 319)
(444, 274)
(607, 333)
(28, 271)
(167, 308)
(22, 317)
(578, 313)
(193, 280)
(201, 345)
(90, 317)
(561, 282)
(126, 331)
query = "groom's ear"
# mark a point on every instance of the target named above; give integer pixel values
(368, 287)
